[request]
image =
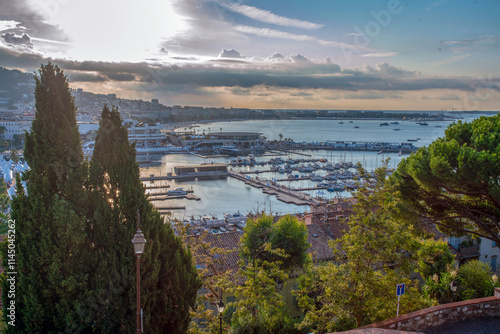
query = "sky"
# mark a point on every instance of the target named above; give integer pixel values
(286, 54)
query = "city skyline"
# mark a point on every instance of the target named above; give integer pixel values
(373, 55)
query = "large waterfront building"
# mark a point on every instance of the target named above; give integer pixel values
(218, 140)
(144, 135)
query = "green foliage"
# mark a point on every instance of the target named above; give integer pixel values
(4, 202)
(438, 287)
(169, 280)
(474, 280)
(74, 257)
(18, 140)
(358, 288)
(434, 257)
(260, 307)
(288, 234)
(51, 253)
(454, 181)
(13, 156)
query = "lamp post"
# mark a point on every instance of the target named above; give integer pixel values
(139, 242)
(220, 308)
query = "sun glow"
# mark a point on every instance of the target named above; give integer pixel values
(114, 30)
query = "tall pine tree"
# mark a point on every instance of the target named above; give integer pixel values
(169, 280)
(75, 260)
(51, 248)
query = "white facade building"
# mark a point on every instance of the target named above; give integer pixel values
(15, 127)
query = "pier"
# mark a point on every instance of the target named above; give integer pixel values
(169, 197)
(168, 208)
(282, 193)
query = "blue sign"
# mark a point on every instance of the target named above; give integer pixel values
(400, 289)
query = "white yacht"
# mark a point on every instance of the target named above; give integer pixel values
(177, 192)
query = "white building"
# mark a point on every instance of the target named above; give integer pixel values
(15, 127)
(483, 250)
(144, 135)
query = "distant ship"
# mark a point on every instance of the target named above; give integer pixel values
(383, 124)
(395, 123)
(341, 122)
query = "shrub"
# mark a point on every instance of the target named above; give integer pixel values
(474, 280)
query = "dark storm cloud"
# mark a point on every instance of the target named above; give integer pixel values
(121, 76)
(13, 39)
(157, 77)
(32, 18)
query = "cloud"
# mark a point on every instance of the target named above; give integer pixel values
(450, 60)
(470, 45)
(85, 77)
(8, 25)
(230, 53)
(268, 17)
(276, 57)
(121, 76)
(196, 76)
(30, 19)
(380, 54)
(241, 91)
(297, 58)
(364, 96)
(271, 33)
(449, 97)
(13, 39)
(389, 70)
(300, 94)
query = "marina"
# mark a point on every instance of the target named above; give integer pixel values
(305, 139)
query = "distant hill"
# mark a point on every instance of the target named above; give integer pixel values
(15, 87)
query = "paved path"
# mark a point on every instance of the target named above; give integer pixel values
(473, 326)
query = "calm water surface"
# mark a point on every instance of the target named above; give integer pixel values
(229, 195)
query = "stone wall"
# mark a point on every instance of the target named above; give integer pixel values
(442, 314)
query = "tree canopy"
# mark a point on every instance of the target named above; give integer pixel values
(288, 234)
(74, 226)
(455, 181)
(358, 286)
(51, 250)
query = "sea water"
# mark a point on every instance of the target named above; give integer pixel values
(228, 195)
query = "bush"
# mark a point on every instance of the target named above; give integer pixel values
(474, 280)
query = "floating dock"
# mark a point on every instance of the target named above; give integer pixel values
(282, 194)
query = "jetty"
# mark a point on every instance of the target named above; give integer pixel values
(283, 194)
(169, 197)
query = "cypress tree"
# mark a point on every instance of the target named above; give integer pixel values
(51, 247)
(169, 281)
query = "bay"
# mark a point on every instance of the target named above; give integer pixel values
(220, 196)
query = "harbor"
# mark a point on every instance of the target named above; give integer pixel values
(311, 162)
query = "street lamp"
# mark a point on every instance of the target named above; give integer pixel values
(220, 308)
(139, 242)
